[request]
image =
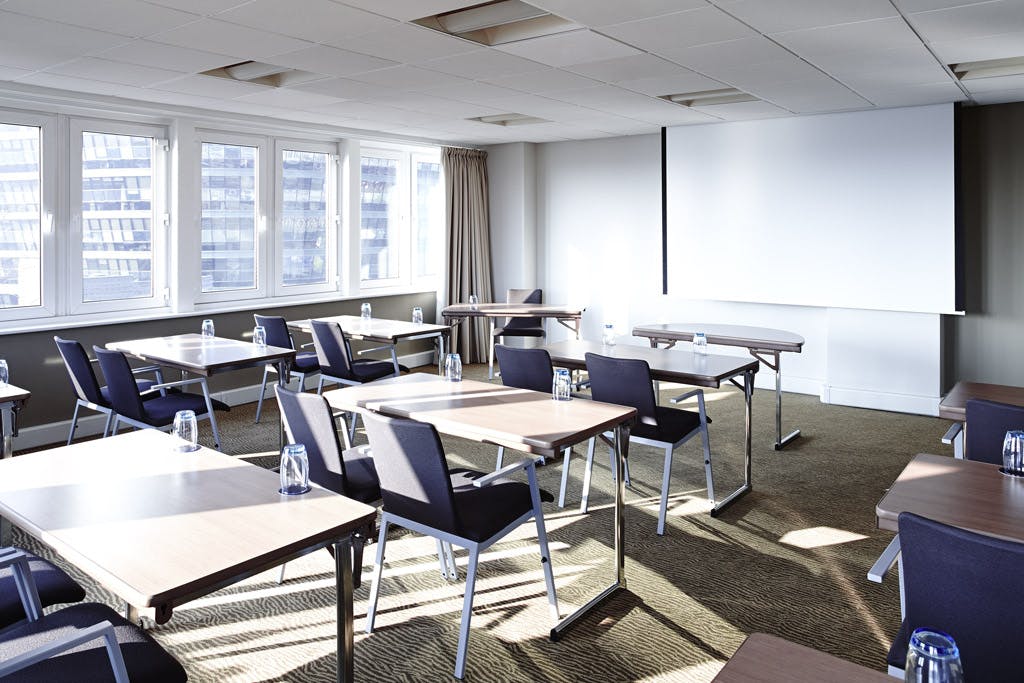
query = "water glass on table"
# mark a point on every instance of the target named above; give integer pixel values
(700, 343)
(417, 315)
(1013, 452)
(561, 385)
(208, 331)
(294, 470)
(453, 368)
(259, 335)
(932, 657)
(185, 428)
(4, 374)
(608, 335)
(366, 311)
(473, 301)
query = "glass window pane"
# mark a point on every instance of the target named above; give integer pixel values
(304, 219)
(20, 216)
(428, 236)
(117, 217)
(229, 217)
(380, 230)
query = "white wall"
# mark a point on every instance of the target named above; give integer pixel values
(513, 217)
(598, 244)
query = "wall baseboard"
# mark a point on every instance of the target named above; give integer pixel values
(876, 400)
(56, 433)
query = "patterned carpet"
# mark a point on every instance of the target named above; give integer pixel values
(790, 559)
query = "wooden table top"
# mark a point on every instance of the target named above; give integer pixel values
(12, 394)
(963, 493)
(727, 335)
(499, 310)
(380, 330)
(199, 355)
(160, 527)
(954, 405)
(528, 421)
(684, 366)
(768, 659)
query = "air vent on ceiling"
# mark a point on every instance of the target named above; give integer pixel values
(261, 73)
(498, 22)
(509, 119)
(708, 98)
(992, 68)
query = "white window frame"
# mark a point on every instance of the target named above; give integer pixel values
(333, 281)
(161, 216)
(265, 267)
(49, 217)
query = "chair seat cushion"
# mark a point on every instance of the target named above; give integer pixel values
(369, 370)
(362, 482)
(160, 410)
(144, 385)
(143, 657)
(519, 331)
(897, 656)
(673, 424)
(305, 361)
(54, 585)
(486, 510)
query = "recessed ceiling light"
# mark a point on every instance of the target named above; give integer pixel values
(991, 68)
(708, 98)
(498, 22)
(262, 73)
(509, 119)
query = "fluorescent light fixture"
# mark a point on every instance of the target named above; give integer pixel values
(262, 73)
(991, 68)
(509, 119)
(498, 22)
(708, 98)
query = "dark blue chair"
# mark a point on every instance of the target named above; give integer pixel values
(304, 365)
(522, 327)
(986, 424)
(967, 585)
(627, 382)
(85, 643)
(88, 392)
(153, 412)
(463, 507)
(53, 585)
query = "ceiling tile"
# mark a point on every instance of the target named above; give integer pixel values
(472, 91)
(9, 73)
(729, 53)
(482, 64)
(593, 13)
(323, 59)
(62, 38)
(626, 68)
(911, 95)
(48, 80)
(744, 111)
(316, 20)
(547, 80)
(126, 17)
(882, 34)
(148, 53)
(997, 84)
(114, 72)
(970, 21)
(760, 73)
(204, 7)
(903, 65)
(346, 88)
(405, 10)
(32, 56)
(907, 6)
(772, 16)
(407, 78)
(686, 81)
(815, 95)
(980, 48)
(230, 39)
(437, 106)
(542, 107)
(1000, 97)
(682, 29)
(210, 86)
(405, 43)
(289, 98)
(574, 47)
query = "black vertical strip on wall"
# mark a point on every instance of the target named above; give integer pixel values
(959, 291)
(664, 217)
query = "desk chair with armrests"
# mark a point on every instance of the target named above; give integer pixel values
(53, 586)
(304, 365)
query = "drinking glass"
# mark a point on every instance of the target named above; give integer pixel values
(932, 657)
(365, 311)
(561, 385)
(259, 335)
(1013, 452)
(473, 301)
(700, 343)
(294, 470)
(417, 315)
(608, 335)
(453, 368)
(185, 429)
(208, 329)
(4, 375)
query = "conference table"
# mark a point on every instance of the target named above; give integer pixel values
(387, 333)
(953, 406)
(160, 527)
(684, 367)
(760, 342)
(206, 356)
(769, 659)
(518, 419)
(566, 316)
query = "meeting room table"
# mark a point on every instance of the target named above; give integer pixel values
(206, 356)
(159, 527)
(518, 419)
(953, 406)
(763, 343)
(683, 367)
(763, 658)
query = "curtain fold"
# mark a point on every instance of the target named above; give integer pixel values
(468, 244)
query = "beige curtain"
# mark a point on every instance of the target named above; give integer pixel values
(469, 244)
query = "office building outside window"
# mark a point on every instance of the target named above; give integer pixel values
(380, 205)
(229, 217)
(20, 216)
(306, 217)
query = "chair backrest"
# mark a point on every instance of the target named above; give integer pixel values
(83, 379)
(524, 296)
(414, 479)
(961, 583)
(121, 385)
(331, 349)
(624, 382)
(524, 368)
(308, 420)
(277, 330)
(986, 425)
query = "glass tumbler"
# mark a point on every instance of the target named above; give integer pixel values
(417, 315)
(294, 470)
(185, 428)
(208, 331)
(932, 657)
(473, 301)
(1013, 452)
(561, 385)
(608, 335)
(366, 311)
(700, 343)
(259, 335)
(453, 368)
(4, 374)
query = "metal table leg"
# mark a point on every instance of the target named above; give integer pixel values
(748, 394)
(343, 588)
(621, 452)
(209, 411)
(776, 366)
(283, 375)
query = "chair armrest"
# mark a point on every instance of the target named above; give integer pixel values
(375, 348)
(885, 561)
(688, 394)
(104, 630)
(146, 368)
(953, 432)
(505, 471)
(17, 560)
(307, 345)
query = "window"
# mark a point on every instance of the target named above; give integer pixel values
(21, 216)
(381, 201)
(307, 218)
(428, 245)
(230, 214)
